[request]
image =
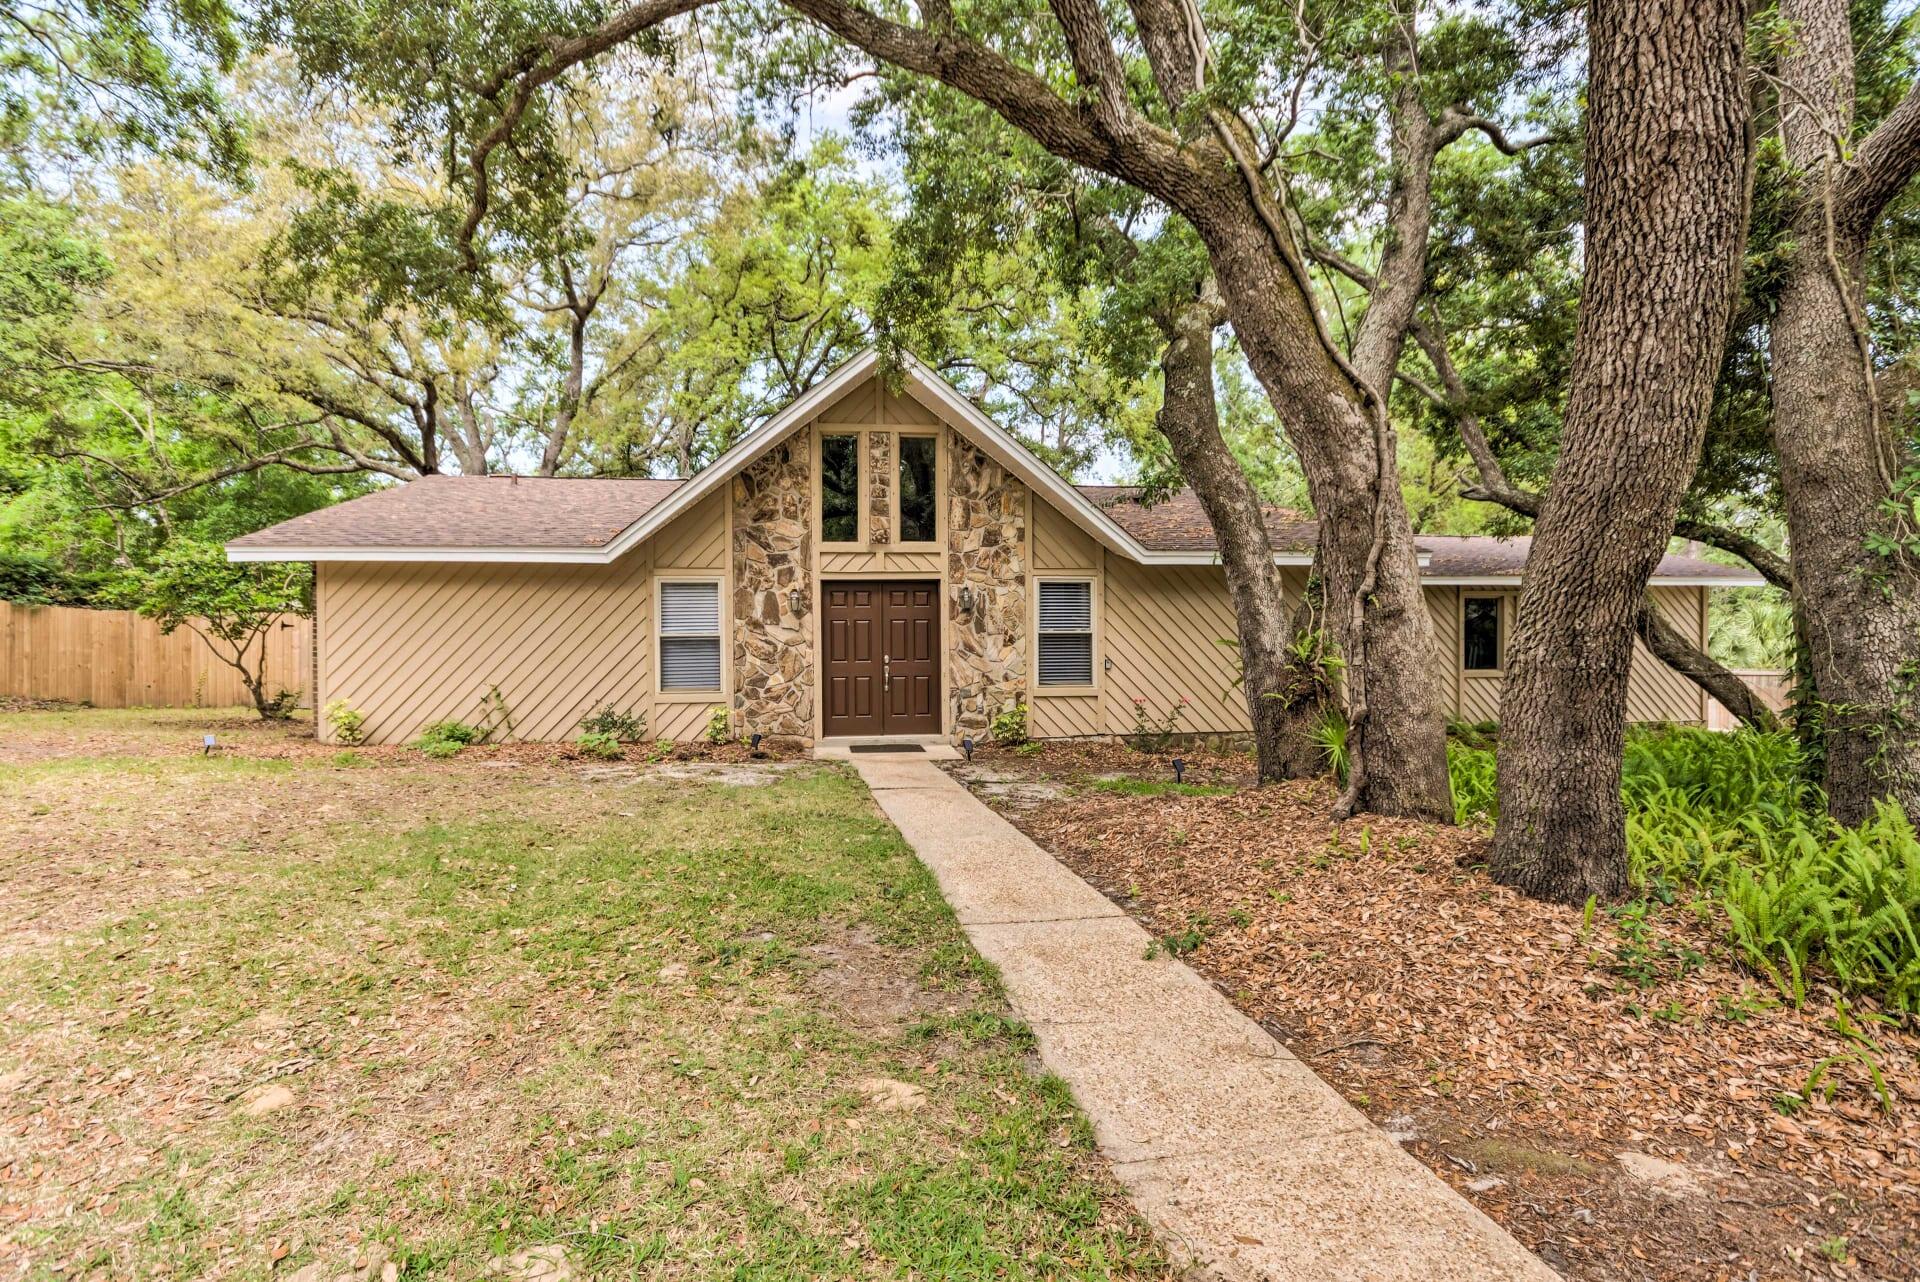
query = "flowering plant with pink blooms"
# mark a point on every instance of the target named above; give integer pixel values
(1152, 733)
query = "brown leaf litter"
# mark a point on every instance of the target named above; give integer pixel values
(1627, 1100)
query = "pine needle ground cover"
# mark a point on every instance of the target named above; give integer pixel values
(282, 1012)
(1521, 1048)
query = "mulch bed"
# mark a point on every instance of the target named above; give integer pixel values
(1519, 1048)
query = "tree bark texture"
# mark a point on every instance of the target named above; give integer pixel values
(1666, 642)
(1839, 457)
(1666, 177)
(1284, 697)
(1332, 431)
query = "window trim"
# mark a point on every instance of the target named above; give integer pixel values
(817, 499)
(1094, 638)
(711, 694)
(1499, 669)
(900, 435)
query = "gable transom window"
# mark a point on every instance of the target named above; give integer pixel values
(1480, 639)
(840, 488)
(916, 484)
(1065, 632)
(690, 634)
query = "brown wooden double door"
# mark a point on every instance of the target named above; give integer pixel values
(882, 658)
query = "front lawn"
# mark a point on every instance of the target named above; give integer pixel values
(282, 1012)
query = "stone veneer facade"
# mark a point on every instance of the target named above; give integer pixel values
(986, 649)
(772, 554)
(879, 488)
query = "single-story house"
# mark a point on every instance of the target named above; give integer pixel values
(869, 563)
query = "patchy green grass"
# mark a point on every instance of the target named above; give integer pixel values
(1158, 788)
(670, 1028)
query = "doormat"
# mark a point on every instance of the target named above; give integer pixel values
(885, 747)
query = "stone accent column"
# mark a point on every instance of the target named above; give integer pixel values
(772, 553)
(986, 554)
(879, 488)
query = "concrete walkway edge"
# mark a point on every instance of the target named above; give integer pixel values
(1245, 1163)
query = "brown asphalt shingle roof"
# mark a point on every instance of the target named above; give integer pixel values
(1470, 556)
(475, 512)
(573, 512)
(1179, 524)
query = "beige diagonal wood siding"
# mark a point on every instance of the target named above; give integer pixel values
(1062, 548)
(410, 644)
(1164, 630)
(1655, 692)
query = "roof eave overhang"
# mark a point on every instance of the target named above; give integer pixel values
(503, 556)
(925, 385)
(1657, 581)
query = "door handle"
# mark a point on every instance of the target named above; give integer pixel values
(886, 672)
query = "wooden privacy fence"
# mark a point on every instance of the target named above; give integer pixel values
(1771, 685)
(117, 659)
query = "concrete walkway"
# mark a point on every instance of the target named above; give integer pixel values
(1239, 1157)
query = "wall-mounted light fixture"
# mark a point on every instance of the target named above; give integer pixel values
(793, 600)
(966, 600)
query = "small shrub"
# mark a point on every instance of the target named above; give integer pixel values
(1153, 734)
(349, 725)
(1731, 823)
(601, 744)
(445, 739)
(1009, 727)
(495, 716)
(719, 726)
(626, 726)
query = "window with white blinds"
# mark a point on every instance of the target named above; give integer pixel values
(689, 634)
(1066, 632)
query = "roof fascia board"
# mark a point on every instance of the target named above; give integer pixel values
(1657, 581)
(1007, 450)
(749, 447)
(512, 556)
(721, 470)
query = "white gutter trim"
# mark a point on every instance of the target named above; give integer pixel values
(585, 556)
(416, 552)
(744, 451)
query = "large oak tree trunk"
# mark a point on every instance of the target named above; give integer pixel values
(1838, 454)
(1284, 697)
(1667, 165)
(1333, 434)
